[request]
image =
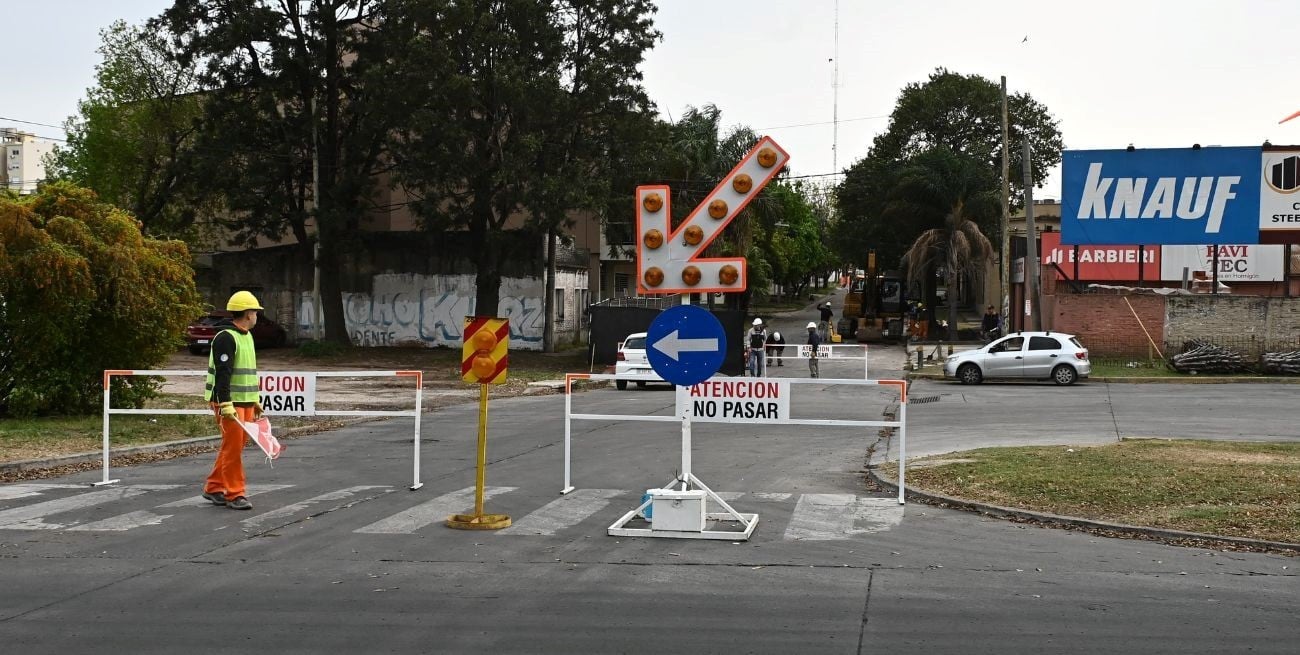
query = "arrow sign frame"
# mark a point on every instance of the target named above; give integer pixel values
(670, 252)
(686, 345)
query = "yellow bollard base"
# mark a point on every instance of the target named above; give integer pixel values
(480, 522)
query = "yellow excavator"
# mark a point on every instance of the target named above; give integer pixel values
(874, 306)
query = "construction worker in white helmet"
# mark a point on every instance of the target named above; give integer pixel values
(814, 342)
(233, 391)
(755, 343)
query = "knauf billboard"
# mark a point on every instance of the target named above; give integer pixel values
(1171, 196)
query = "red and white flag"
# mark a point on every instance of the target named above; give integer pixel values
(260, 432)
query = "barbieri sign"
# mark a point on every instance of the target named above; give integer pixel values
(1181, 196)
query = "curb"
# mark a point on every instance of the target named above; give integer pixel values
(1179, 537)
(1190, 379)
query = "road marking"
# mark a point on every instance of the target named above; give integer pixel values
(294, 508)
(433, 511)
(830, 517)
(772, 496)
(563, 512)
(31, 517)
(16, 491)
(249, 491)
(142, 518)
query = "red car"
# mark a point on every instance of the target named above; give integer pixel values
(198, 336)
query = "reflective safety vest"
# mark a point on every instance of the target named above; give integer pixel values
(243, 379)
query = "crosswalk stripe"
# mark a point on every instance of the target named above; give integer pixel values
(433, 511)
(829, 517)
(249, 492)
(16, 491)
(294, 508)
(138, 519)
(31, 517)
(563, 512)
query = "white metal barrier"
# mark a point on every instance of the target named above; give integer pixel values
(419, 399)
(827, 352)
(684, 418)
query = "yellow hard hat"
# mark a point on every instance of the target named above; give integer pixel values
(242, 300)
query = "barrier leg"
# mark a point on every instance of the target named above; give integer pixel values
(419, 396)
(104, 460)
(568, 435)
(902, 450)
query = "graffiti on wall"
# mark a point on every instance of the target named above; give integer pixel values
(430, 310)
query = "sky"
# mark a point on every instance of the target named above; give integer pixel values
(1153, 74)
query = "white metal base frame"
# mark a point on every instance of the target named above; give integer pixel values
(747, 521)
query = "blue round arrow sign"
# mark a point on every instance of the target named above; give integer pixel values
(686, 345)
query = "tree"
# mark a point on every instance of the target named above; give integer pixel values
(81, 286)
(795, 245)
(961, 113)
(941, 186)
(296, 108)
(132, 140)
(521, 103)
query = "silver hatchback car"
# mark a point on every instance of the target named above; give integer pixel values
(1025, 355)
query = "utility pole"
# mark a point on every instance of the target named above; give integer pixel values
(1005, 280)
(835, 93)
(317, 310)
(1032, 289)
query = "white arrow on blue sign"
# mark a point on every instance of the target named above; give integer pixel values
(686, 345)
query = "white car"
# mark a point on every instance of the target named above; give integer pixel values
(633, 363)
(1025, 355)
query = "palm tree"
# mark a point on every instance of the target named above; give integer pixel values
(940, 187)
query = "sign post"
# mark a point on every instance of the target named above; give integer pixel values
(686, 345)
(485, 359)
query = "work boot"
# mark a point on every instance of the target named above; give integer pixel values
(239, 503)
(216, 497)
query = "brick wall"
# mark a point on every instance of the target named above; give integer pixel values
(1251, 324)
(1104, 323)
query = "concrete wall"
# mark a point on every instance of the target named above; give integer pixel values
(430, 310)
(1252, 324)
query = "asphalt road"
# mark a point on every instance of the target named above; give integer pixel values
(338, 556)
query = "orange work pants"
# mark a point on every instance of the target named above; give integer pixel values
(227, 474)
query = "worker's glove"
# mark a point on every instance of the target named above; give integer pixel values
(257, 410)
(227, 410)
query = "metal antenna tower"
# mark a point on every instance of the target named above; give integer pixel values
(835, 92)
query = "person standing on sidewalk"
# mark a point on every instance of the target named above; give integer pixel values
(814, 341)
(232, 390)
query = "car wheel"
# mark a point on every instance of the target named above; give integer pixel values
(196, 350)
(1064, 375)
(970, 374)
(621, 384)
(640, 385)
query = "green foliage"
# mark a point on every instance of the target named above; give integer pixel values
(81, 291)
(960, 113)
(132, 140)
(522, 106)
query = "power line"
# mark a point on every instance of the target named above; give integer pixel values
(842, 120)
(15, 120)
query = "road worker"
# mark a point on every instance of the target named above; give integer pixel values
(232, 391)
(814, 342)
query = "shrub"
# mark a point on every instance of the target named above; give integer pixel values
(81, 291)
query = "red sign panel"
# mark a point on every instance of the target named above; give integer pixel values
(1101, 263)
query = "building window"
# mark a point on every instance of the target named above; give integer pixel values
(621, 282)
(559, 305)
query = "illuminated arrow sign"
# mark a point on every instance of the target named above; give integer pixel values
(672, 345)
(670, 261)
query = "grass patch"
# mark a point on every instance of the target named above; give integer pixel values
(1249, 490)
(53, 436)
(1132, 369)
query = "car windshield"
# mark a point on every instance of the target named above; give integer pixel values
(634, 343)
